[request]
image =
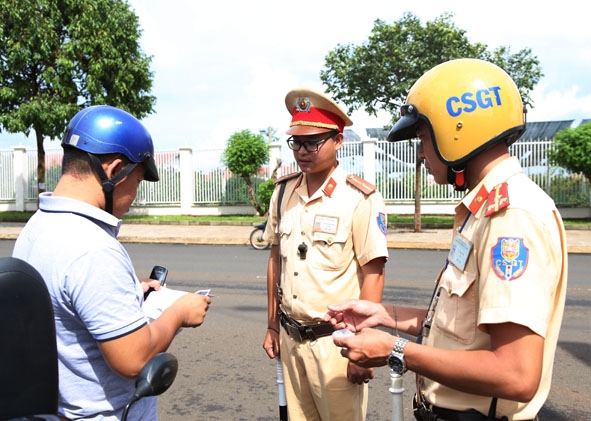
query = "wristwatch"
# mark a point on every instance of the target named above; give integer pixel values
(396, 358)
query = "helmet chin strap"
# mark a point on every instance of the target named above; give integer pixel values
(109, 184)
(457, 178)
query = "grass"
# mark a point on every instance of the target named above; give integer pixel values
(15, 216)
(232, 218)
(393, 220)
(425, 219)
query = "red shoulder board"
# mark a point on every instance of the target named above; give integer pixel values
(479, 200)
(498, 199)
(287, 177)
(360, 184)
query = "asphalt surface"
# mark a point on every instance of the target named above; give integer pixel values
(225, 374)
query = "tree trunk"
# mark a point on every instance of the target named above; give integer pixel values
(40, 164)
(417, 193)
(253, 200)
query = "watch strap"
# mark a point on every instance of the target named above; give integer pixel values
(399, 346)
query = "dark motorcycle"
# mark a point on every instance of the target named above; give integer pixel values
(257, 241)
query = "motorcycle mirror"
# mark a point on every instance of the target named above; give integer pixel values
(155, 378)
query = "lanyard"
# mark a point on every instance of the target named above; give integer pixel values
(436, 291)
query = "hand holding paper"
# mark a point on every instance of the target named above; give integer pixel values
(160, 300)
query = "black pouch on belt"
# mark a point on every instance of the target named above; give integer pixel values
(422, 413)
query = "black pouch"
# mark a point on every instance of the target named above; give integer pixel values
(422, 413)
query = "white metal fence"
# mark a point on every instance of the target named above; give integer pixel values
(195, 177)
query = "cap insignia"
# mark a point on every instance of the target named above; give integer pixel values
(303, 104)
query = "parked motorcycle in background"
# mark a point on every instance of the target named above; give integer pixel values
(257, 241)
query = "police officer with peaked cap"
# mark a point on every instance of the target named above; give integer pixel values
(328, 235)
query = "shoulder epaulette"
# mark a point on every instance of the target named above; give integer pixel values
(287, 177)
(498, 199)
(360, 184)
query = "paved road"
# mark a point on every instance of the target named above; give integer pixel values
(225, 375)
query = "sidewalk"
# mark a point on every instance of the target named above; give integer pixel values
(579, 241)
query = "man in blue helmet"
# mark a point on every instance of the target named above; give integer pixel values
(103, 338)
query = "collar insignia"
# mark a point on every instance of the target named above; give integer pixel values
(329, 187)
(478, 200)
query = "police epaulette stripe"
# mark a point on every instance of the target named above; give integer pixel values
(360, 184)
(287, 177)
(498, 199)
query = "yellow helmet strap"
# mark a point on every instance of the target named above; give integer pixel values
(457, 178)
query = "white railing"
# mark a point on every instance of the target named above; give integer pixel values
(191, 178)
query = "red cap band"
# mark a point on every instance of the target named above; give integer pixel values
(317, 117)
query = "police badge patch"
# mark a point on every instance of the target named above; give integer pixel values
(509, 258)
(382, 222)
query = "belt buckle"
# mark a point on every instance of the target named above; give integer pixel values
(294, 332)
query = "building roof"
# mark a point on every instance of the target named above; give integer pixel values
(544, 130)
(379, 133)
(350, 136)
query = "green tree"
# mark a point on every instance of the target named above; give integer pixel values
(57, 57)
(379, 73)
(572, 150)
(244, 155)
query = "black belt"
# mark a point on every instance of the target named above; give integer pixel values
(423, 412)
(453, 415)
(469, 415)
(305, 331)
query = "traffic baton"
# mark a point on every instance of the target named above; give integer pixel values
(397, 390)
(281, 389)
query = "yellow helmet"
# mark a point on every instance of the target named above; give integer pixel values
(469, 105)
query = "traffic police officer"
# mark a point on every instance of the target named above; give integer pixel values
(328, 235)
(489, 335)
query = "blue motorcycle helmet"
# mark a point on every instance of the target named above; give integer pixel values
(103, 129)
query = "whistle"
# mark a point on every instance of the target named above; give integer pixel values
(302, 250)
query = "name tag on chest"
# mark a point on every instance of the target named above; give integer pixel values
(460, 251)
(328, 224)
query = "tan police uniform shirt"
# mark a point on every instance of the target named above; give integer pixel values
(516, 272)
(342, 229)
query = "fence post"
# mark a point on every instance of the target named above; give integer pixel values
(21, 176)
(369, 159)
(187, 179)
